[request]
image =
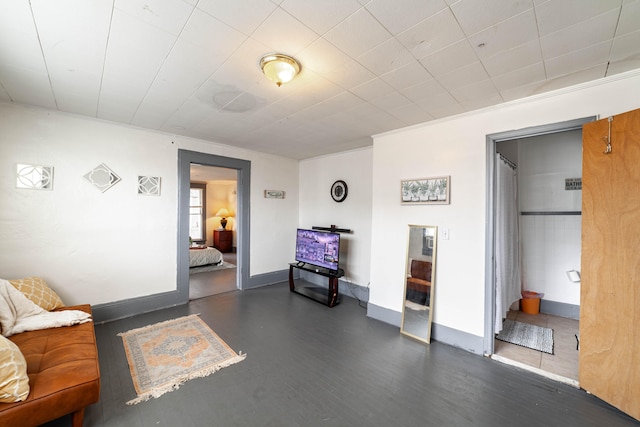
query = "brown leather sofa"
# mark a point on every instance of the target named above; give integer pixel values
(64, 376)
(419, 282)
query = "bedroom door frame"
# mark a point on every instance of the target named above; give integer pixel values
(243, 167)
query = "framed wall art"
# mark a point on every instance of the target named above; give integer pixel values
(425, 191)
(274, 194)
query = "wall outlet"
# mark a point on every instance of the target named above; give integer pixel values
(444, 232)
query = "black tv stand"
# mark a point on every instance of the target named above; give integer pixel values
(329, 296)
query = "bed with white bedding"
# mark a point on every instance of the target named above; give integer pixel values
(204, 256)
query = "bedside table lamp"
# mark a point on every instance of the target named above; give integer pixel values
(224, 213)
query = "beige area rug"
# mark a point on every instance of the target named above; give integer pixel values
(167, 354)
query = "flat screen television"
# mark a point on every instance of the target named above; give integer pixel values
(319, 248)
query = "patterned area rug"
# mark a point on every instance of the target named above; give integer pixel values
(211, 267)
(167, 354)
(525, 335)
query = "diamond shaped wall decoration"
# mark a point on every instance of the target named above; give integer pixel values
(102, 177)
(149, 185)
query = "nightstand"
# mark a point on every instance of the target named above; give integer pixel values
(223, 240)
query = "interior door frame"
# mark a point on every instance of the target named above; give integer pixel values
(490, 279)
(185, 159)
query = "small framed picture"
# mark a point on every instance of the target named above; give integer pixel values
(425, 191)
(274, 194)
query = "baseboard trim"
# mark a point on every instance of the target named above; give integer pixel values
(259, 280)
(131, 307)
(561, 309)
(444, 334)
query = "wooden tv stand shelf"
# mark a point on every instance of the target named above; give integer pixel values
(328, 297)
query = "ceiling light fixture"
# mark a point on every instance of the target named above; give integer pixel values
(279, 68)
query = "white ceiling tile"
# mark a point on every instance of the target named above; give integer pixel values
(411, 114)
(283, 33)
(555, 15)
(409, 75)
(399, 15)
(513, 59)
(391, 101)
(424, 90)
(515, 31)
(529, 89)
(441, 105)
(464, 76)
(386, 57)
(27, 86)
(242, 68)
(358, 33)
(188, 66)
(167, 15)
(124, 86)
(343, 100)
(23, 72)
(74, 61)
(321, 16)
(625, 53)
(629, 18)
(520, 77)
(626, 46)
(570, 63)
(476, 15)
(3, 94)
(322, 57)
(477, 94)
(350, 74)
(372, 89)
(244, 16)
(592, 31)
(627, 64)
(450, 58)
(575, 78)
(204, 31)
(432, 34)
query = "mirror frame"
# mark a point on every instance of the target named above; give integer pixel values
(407, 271)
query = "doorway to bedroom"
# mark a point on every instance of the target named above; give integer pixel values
(212, 230)
(209, 226)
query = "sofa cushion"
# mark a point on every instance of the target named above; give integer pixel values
(64, 375)
(37, 290)
(14, 381)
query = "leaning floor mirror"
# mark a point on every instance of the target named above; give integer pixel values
(417, 309)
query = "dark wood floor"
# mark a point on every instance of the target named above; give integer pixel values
(310, 365)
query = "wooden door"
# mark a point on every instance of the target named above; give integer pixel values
(610, 286)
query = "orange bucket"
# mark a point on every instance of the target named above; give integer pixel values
(530, 303)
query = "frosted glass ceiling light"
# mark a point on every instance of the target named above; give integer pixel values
(279, 68)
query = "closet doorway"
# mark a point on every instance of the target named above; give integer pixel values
(543, 236)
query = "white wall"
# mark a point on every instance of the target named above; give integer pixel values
(95, 247)
(550, 244)
(457, 147)
(317, 208)
(221, 194)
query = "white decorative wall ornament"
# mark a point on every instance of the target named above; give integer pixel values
(102, 177)
(34, 177)
(149, 185)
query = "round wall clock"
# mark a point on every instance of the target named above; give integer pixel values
(339, 191)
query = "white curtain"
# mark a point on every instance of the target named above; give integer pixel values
(507, 254)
